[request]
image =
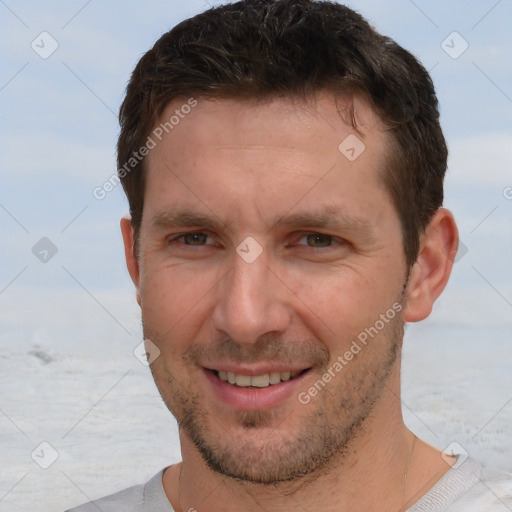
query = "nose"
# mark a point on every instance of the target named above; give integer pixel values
(252, 301)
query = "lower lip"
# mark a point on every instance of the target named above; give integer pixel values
(250, 398)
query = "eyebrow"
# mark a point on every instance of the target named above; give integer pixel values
(330, 216)
(180, 218)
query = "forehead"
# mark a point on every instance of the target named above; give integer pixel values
(277, 147)
(291, 122)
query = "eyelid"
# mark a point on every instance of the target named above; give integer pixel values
(335, 240)
(302, 234)
(175, 236)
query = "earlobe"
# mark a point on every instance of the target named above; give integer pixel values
(132, 262)
(430, 274)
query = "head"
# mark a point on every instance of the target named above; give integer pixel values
(244, 113)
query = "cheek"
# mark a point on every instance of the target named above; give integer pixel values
(342, 304)
(170, 302)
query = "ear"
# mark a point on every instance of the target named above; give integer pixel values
(130, 254)
(430, 273)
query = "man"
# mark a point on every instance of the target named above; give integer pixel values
(284, 168)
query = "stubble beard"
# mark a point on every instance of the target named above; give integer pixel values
(324, 438)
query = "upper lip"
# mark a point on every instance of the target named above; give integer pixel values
(252, 371)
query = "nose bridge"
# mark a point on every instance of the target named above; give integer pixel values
(250, 302)
(248, 277)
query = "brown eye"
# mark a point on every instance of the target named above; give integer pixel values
(318, 240)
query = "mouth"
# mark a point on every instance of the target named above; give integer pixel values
(254, 389)
(257, 381)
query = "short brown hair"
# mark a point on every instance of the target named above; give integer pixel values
(263, 49)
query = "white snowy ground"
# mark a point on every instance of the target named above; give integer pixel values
(77, 386)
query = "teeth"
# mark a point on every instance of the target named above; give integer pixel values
(243, 380)
(258, 381)
(275, 378)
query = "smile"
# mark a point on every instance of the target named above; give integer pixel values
(257, 381)
(256, 388)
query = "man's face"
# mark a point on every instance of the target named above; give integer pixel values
(291, 298)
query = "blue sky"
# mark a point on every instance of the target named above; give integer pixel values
(59, 129)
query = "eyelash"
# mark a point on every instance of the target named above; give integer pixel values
(313, 233)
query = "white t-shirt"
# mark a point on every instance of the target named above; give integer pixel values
(466, 488)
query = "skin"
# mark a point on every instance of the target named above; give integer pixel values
(300, 303)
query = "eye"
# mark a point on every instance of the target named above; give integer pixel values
(193, 238)
(318, 240)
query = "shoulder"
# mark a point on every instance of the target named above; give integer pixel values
(468, 488)
(129, 500)
(149, 497)
(492, 492)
